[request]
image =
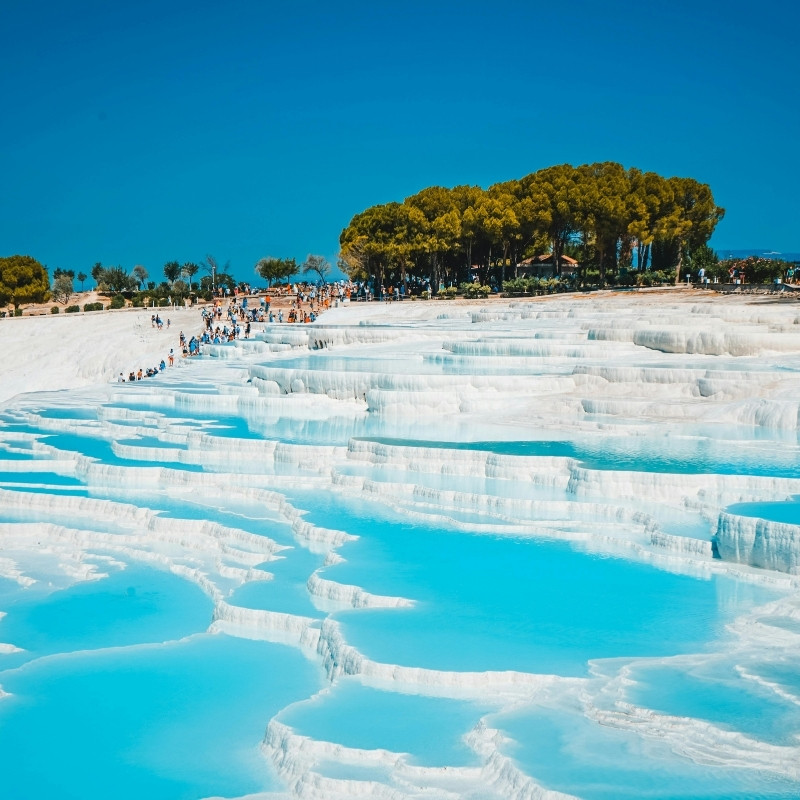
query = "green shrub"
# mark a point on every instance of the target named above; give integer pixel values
(71, 309)
(664, 276)
(473, 290)
(514, 286)
(117, 301)
(625, 278)
(522, 286)
(138, 301)
(93, 307)
(17, 312)
(591, 276)
(163, 302)
(54, 309)
(537, 286)
(755, 269)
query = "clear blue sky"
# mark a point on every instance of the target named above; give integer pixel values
(138, 133)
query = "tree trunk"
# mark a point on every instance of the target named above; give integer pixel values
(625, 252)
(434, 274)
(584, 258)
(601, 251)
(641, 256)
(556, 255)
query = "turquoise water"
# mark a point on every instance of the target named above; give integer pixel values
(665, 455)
(50, 478)
(361, 717)
(163, 721)
(121, 690)
(131, 606)
(95, 447)
(568, 753)
(724, 699)
(120, 674)
(506, 603)
(785, 511)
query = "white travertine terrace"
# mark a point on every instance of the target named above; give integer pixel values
(678, 375)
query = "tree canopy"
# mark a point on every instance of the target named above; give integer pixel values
(318, 265)
(63, 287)
(172, 271)
(276, 269)
(22, 280)
(140, 274)
(189, 270)
(608, 217)
(212, 266)
(115, 279)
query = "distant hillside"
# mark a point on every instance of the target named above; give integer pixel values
(723, 253)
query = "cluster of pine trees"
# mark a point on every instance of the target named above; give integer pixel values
(601, 214)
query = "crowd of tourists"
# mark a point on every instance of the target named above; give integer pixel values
(231, 318)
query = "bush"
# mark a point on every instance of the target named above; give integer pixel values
(163, 302)
(473, 290)
(655, 278)
(72, 309)
(664, 276)
(54, 309)
(522, 286)
(137, 301)
(17, 312)
(92, 307)
(625, 278)
(537, 286)
(591, 276)
(117, 301)
(755, 269)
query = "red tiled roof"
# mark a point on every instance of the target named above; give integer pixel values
(546, 258)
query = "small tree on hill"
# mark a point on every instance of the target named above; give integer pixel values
(22, 280)
(179, 291)
(317, 265)
(82, 276)
(172, 271)
(214, 269)
(140, 274)
(98, 273)
(115, 279)
(189, 270)
(226, 281)
(276, 269)
(62, 288)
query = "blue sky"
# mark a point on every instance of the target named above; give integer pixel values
(139, 133)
